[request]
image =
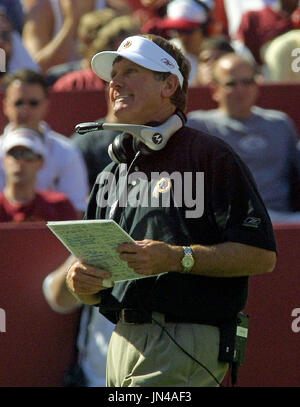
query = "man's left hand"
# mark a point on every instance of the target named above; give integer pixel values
(149, 257)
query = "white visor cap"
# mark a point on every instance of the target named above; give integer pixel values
(139, 50)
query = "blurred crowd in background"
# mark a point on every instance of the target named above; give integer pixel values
(47, 46)
(58, 37)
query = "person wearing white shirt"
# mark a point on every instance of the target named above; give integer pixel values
(25, 103)
(13, 55)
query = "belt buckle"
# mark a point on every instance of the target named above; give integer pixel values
(123, 316)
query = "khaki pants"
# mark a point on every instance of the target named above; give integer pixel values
(145, 356)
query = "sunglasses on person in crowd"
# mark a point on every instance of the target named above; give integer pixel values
(30, 102)
(243, 81)
(26, 155)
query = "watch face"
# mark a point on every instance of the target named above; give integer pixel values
(188, 261)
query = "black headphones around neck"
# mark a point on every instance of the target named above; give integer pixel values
(136, 138)
(143, 139)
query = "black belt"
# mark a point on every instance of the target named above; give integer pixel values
(136, 316)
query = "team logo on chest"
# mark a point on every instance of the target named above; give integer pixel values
(162, 186)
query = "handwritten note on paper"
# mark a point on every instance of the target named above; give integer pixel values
(94, 242)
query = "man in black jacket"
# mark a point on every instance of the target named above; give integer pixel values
(199, 225)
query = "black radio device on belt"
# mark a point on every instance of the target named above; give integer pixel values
(233, 343)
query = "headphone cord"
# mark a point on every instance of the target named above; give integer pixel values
(186, 352)
(133, 161)
(142, 307)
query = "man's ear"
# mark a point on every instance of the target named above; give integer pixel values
(170, 86)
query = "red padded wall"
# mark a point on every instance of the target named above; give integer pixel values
(38, 344)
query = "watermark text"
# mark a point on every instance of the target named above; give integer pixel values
(296, 62)
(2, 320)
(296, 322)
(2, 60)
(159, 189)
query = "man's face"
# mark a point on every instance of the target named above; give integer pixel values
(134, 93)
(21, 165)
(25, 104)
(236, 88)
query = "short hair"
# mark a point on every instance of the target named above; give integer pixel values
(179, 99)
(220, 43)
(89, 25)
(113, 33)
(28, 77)
(236, 58)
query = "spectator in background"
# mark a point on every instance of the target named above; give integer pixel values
(89, 25)
(258, 27)
(14, 12)
(266, 140)
(24, 153)
(187, 23)
(211, 49)
(94, 331)
(13, 53)
(145, 11)
(25, 103)
(152, 10)
(113, 33)
(235, 9)
(50, 29)
(108, 37)
(282, 58)
(28, 4)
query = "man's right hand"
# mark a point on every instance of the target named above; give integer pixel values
(85, 282)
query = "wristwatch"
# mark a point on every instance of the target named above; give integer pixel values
(188, 259)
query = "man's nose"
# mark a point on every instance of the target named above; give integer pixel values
(117, 80)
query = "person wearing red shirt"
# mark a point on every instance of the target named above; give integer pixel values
(258, 27)
(24, 154)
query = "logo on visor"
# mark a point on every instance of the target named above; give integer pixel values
(167, 62)
(127, 44)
